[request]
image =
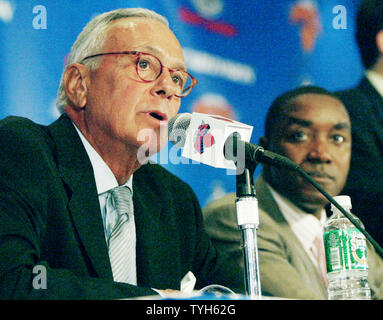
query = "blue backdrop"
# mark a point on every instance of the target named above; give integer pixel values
(244, 53)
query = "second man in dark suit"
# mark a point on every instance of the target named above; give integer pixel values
(365, 107)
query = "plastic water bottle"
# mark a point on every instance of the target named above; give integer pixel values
(346, 255)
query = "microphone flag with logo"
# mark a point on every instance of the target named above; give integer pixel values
(206, 137)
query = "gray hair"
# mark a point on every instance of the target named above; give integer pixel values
(92, 38)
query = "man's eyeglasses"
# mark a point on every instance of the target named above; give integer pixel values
(149, 68)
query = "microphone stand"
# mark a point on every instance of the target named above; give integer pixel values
(248, 222)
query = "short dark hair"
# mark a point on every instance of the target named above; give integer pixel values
(369, 21)
(284, 100)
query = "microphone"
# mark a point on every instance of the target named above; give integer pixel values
(255, 154)
(177, 127)
(248, 155)
(234, 148)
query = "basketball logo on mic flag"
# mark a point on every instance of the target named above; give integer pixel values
(206, 136)
(203, 139)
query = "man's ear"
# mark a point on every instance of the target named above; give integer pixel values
(379, 41)
(76, 78)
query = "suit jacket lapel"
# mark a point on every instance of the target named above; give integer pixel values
(77, 173)
(370, 92)
(269, 205)
(373, 98)
(156, 263)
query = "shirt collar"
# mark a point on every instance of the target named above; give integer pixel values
(376, 80)
(306, 226)
(104, 177)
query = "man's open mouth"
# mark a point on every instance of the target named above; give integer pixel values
(158, 115)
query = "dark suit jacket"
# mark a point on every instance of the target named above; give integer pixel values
(50, 216)
(365, 179)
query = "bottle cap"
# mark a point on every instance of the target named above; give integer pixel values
(344, 201)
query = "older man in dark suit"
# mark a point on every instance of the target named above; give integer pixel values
(76, 197)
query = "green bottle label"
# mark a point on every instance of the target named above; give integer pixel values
(345, 250)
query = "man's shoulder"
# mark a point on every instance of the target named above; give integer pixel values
(16, 122)
(221, 211)
(18, 131)
(225, 202)
(362, 103)
(362, 92)
(20, 126)
(350, 95)
(26, 153)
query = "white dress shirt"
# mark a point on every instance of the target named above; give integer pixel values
(376, 80)
(105, 181)
(304, 225)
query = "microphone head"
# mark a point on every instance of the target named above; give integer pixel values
(230, 147)
(177, 127)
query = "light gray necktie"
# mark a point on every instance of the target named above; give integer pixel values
(122, 243)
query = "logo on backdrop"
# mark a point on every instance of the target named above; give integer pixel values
(202, 138)
(209, 9)
(206, 17)
(216, 66)
(6, 11)
(212, 103)
(305, 13)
